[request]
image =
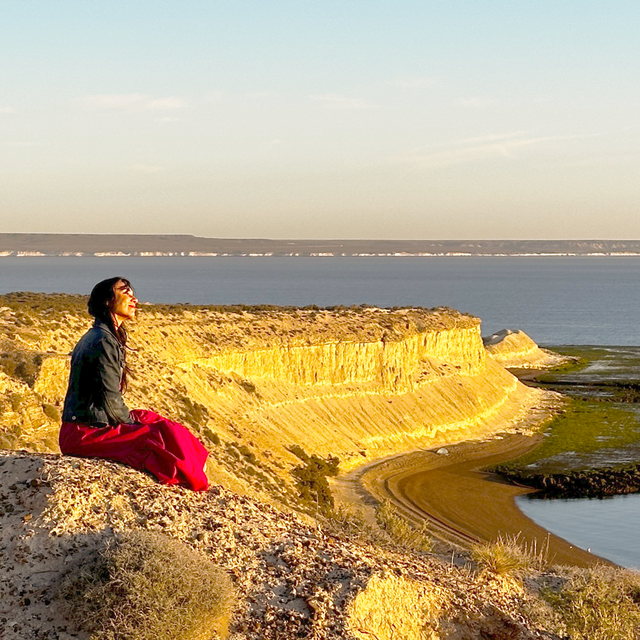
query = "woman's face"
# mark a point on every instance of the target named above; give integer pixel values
(124, 303)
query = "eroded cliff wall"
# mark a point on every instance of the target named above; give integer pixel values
(357, 383)
(516, 350)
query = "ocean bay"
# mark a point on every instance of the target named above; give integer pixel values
(607, 527)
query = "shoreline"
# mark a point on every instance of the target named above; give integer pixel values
(204, 254)
(424, 485)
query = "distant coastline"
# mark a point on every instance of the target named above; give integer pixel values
(197, 254)
(34, 245)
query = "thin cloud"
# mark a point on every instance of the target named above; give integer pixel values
(337, 101)
(492, 138)
(7, 110)
(484, 148)
(130, 102)
(165, 103)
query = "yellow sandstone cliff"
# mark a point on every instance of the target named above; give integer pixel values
(515, 349)
(358, 383)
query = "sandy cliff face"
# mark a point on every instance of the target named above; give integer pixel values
(355, 383)
(516, 349)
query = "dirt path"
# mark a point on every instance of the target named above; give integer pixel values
(462, 503)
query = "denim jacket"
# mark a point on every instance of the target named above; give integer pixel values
(94, 396)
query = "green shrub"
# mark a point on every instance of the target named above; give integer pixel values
(311, 479)
(247, 453)
(145, 586)
(193, 413)
(248, 386)
(8, 364)
(16, 401)
(299, 452)
(212, 436)
(22, 365)
(51, 412)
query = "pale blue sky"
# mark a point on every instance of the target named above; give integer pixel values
(329, 119)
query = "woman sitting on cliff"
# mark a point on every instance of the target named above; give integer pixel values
(97, 423)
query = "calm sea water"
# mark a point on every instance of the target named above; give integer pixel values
(609, 527)
(564, 300)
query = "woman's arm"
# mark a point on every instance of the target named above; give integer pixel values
(109, 372)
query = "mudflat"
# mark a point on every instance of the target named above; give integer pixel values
(464, 504)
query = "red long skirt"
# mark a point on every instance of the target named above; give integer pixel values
(166, 449)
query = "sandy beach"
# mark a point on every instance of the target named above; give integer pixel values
(461, 503)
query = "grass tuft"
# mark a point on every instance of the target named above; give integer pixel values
(401, 531)
(509, 556)
(145, 586)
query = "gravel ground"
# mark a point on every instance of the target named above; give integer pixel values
(294, 579)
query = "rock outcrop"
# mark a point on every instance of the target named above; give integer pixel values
(516, 350)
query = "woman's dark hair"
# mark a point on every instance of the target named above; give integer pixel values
(99, 305)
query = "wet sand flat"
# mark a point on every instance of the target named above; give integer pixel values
(463, 504)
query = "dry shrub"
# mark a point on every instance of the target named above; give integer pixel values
(145, 586)
(602, 603)
(510, 556)
(393, 607)
(401, 531)
(350, 522)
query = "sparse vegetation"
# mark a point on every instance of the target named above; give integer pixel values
(51, 412)
(146, 586)
(401, 531)
(212, 436)
(311, 479)
(602, 603)
(193, 413)
(509, 556)
(248, 386)
(44, 303)
(299, 452)
(23, 366)
(348, 522)
(16, 400)
(247, 453)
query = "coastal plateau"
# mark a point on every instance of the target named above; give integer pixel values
(282, 398)
(359, 383)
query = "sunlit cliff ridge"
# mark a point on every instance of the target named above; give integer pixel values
(516, 349)
(359, 383)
